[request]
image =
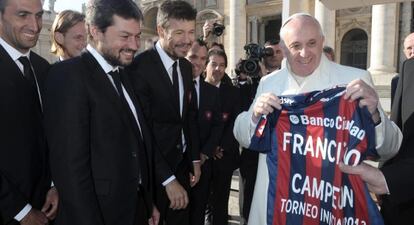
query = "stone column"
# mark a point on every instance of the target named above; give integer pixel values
(327, 19)
(295, 6)
(52, 5)
(262, 26)
(254, 29)
(384, 43)
(237, 32)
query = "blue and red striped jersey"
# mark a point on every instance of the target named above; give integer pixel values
(305, 141)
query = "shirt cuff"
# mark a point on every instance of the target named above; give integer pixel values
(196, 161)
(386, 186)
(252, 127)
(166, 182)
(23, 212)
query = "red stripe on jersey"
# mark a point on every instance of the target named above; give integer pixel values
(313, 164)
(282, 190)
(345, 111)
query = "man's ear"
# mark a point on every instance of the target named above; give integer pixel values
(59, 37)
(95, 32)
(160, 31)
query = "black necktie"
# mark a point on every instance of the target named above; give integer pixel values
(116, 76)
(27, 70)
(30, 76)
(176, 86)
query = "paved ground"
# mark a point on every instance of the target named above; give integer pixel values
(234, 212)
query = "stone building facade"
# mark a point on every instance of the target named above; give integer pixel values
(367, 37)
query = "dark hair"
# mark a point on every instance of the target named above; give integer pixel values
(3, 4)
(179, 10)
(330, 51)
(62, 23)
(221, 46)
(272, 42)
(100, 12)
(202, 43)
(218, 53)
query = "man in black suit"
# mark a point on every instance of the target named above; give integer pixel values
(226, 154)
(394, 180)
(409, 53)
(100, 146)
(162, 80)
(25, 193)
(210, 130)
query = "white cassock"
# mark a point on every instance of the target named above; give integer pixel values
(282, 82)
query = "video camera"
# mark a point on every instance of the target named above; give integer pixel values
(250, 65)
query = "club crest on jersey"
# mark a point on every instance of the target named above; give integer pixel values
(208, 115)
(225, 116)
(260, 127)
(294, 119)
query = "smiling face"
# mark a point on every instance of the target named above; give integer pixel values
(21, 23)
(119, 43)
(215, 69)
(177, 37)
(303, 45)
(197, 55)
(73, 41)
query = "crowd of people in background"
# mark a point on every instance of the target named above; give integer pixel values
(110, 135)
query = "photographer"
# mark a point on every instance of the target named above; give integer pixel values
(212, 29)
(274, 61)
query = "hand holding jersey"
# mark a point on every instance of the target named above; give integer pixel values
(356, 90)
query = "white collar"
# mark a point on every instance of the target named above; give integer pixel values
(197, 79)
(166, 60)
(102, 62)
(13, 53)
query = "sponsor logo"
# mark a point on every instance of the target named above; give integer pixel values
(294, 119)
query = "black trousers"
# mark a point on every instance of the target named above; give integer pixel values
(200, 194)
(220, 190)
(169, 216)
(141, 216)
(248, 171)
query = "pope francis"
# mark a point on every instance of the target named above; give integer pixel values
(306, 69)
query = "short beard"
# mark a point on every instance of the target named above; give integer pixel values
(113, 59)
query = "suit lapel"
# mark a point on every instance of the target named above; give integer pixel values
(163, 78)
(187, 95)
(103, 83)
(13, 74)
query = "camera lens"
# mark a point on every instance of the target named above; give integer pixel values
(268, 51)
(250, 66)
(218, 29)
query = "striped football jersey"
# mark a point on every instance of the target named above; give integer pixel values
(305, 141)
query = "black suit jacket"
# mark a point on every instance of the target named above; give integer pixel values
(24, 170)
(230, 109)
(95, 152)
(155, 92)
(394, 83)
(209, 118)
(398, 207)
